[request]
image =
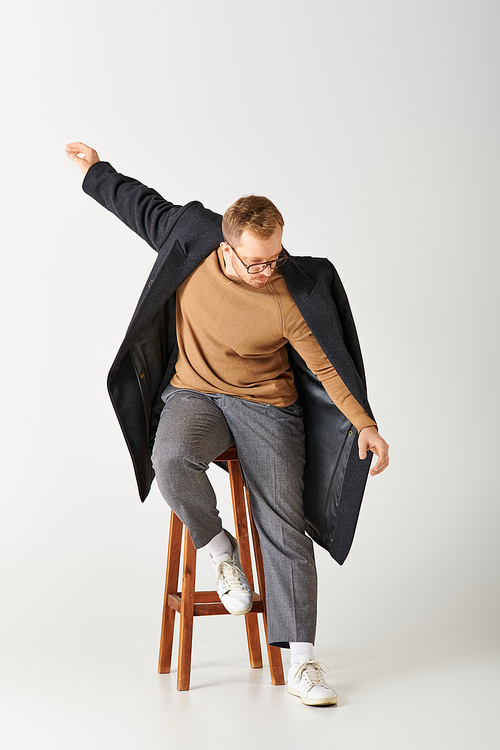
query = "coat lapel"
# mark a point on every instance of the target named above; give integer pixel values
(171, 268)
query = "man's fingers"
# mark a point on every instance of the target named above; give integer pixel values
(73, 154)
(76, 148)
(79, 146)
(379, 447)
(382, 460)
(379, 466)
(82, 155)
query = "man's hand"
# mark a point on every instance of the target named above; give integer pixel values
(89, 155)
(369, 439)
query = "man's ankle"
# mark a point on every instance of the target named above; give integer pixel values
(300, 648)
(219, 545)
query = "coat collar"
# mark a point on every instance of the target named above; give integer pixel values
(299, 283)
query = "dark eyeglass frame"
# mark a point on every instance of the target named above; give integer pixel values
(280, 260)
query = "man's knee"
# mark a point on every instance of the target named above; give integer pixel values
(176, 459)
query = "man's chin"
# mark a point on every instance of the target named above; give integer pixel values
(257, 283)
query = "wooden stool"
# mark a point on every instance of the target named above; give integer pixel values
(190, 603)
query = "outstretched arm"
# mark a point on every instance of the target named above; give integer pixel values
(140, 207)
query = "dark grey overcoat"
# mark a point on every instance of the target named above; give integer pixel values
(183, 236)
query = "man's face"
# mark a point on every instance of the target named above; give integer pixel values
(251, 249)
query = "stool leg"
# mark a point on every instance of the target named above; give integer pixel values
(273, 652)
(171, 582)
(241, 526)
(186, 613)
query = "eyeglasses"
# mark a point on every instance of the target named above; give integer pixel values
(258, 267)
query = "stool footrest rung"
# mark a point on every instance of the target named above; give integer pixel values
(208, 603)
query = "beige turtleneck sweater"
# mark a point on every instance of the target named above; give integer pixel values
(232, 340)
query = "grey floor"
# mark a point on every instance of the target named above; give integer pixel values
(75, 676)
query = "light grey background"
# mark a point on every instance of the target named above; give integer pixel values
(374, 127)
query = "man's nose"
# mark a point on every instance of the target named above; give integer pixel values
(267, 270)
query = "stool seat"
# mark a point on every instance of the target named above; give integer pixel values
(190, 603)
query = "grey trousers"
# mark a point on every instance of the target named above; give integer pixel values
(194, 429)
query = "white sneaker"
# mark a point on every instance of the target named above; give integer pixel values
(232, 586)
(305, 680)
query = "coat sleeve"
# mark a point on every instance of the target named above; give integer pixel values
(140, 207)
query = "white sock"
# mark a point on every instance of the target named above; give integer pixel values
(298, 648)
(220, 545)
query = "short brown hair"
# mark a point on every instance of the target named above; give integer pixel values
(252, 213)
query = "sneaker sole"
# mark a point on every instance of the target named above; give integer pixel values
(324, 702)
(241, 612)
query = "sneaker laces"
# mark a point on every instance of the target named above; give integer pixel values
(231, 575)
(311, 670)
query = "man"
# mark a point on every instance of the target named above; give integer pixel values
(229, 330)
